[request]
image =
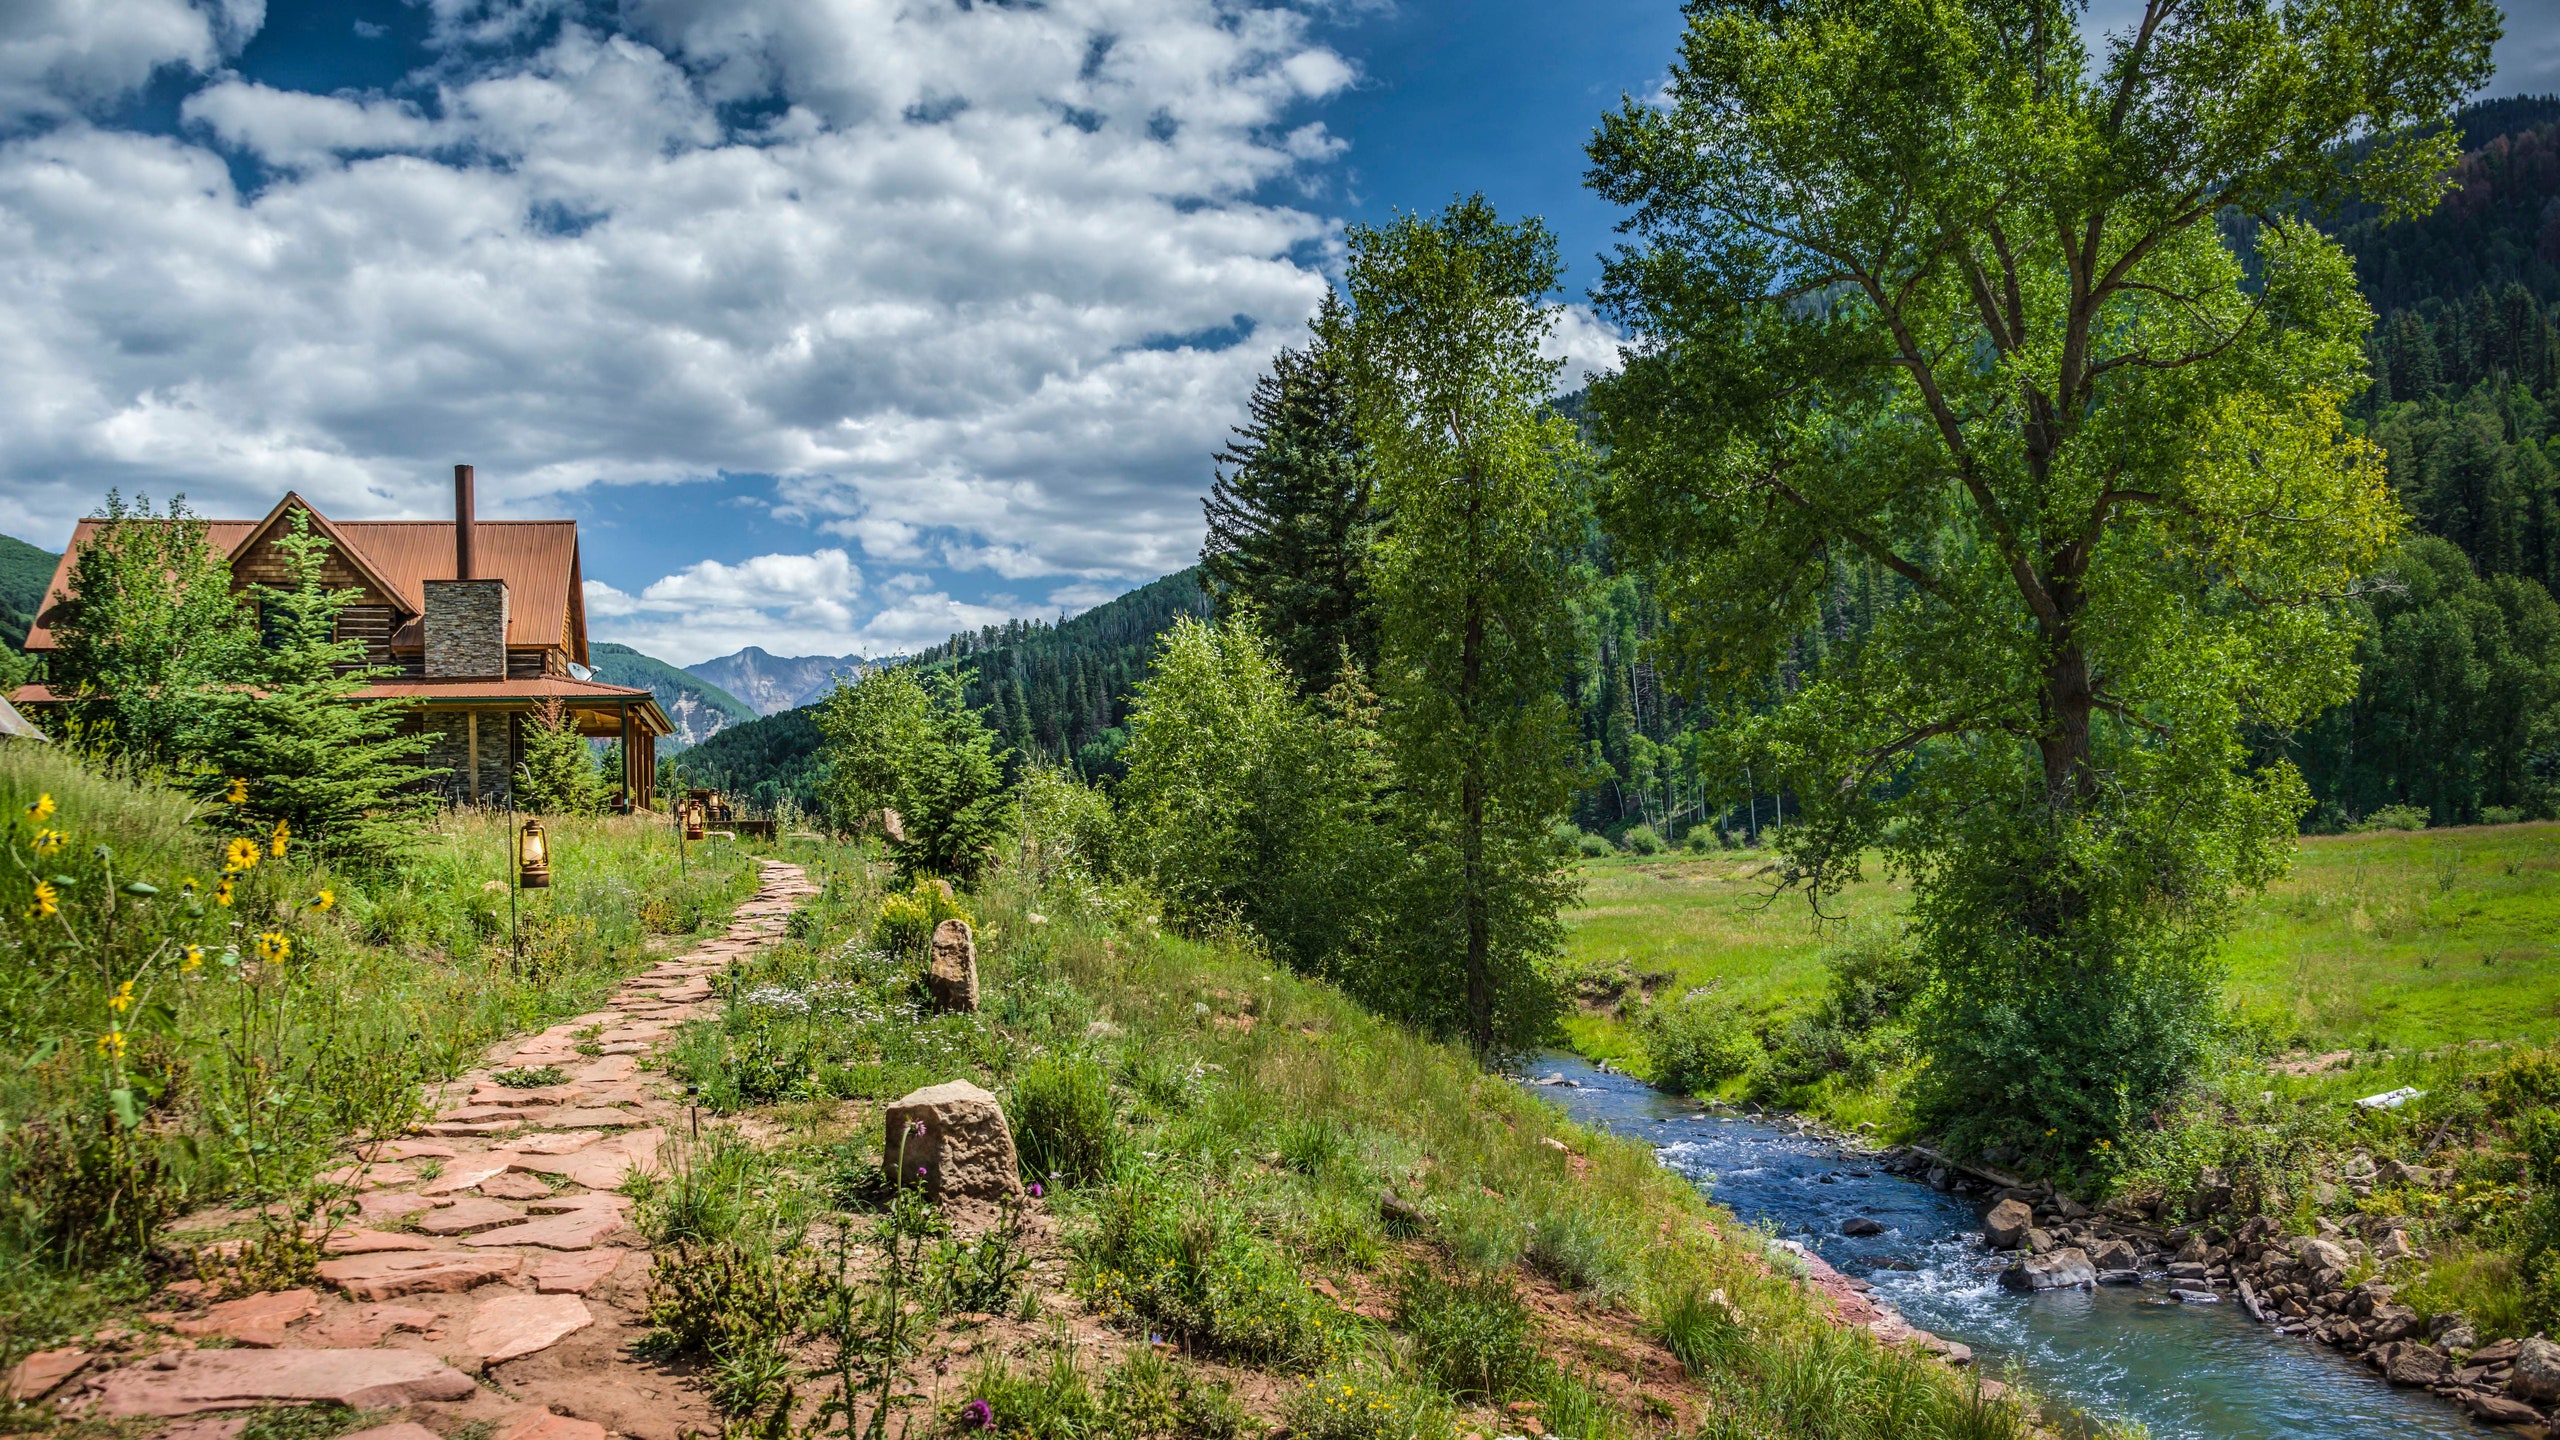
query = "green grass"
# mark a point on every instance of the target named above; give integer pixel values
(2403, 939)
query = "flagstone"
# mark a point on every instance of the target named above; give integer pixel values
(392, 1204)
(388, 1277)
(575, 1272)
(43, 1372)
(183, 1383)
(370, 1242)
(543, 1425)
(360, 1327)
(467, 1214)
(463, 1174)
(512, 1185)
(577, 1230)
(254, 1320)
(558, 1143)
(516, 1324)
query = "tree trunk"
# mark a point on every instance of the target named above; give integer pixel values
(2070, 777)
(1471, 845)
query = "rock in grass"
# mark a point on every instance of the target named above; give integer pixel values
(2064, 1269)
(2537, 1374)
(951, 1139)
(953, 975)
(2007, 1224)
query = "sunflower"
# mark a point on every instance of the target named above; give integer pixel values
(111, 1044)
(237, 792)
(240, 855)
(273, 947)
(122, 1000)
(323, 901)
(222, 892)
(42, 809)
(47, 901)
(190, 959)
(277, 839)
(48, 841)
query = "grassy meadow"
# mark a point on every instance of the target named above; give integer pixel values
(2391, 940)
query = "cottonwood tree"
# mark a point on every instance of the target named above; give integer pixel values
(1923, 285)
(897, 740)
(1291, 519)
(149, 622)
(1474, 582)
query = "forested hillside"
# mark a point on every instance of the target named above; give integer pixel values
(699, 708)
(24, 571)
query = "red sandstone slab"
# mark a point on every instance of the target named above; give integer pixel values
(608, 1070)
(370, 1242)
(401, 1430)
(388, 1277)
(479, 1114)
(515, 1325)
(413, 1150)
(392, 1204)
(514, 1186)
(361, 1327)
(561, 1143)
(577, 1230)
(177, 1383)
(463, 1174)
(468, 1214)
(42, 1373)
(466, 1129)
(592, 1117)
(603, 1166)
(543, 1425)
(253, 1320)
(574, 1273)
(368, 1177)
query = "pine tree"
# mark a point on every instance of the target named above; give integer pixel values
(558, 773)
(311, 762)
(1291, 521)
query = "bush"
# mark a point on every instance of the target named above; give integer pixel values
(1642, 840)
(2501, 815)
(1593, 846)
(1062, 1121)
(2392, 817)
(1200, 1273)
(1470, 1336)
(1701, 840)
(1695, 1042)
(707, 1298)
(907, 921)
(1362, 1404)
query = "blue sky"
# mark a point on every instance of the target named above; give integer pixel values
(838, 324)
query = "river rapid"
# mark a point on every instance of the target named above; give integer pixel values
(2119, 1354)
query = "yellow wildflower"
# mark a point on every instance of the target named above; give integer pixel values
(324, 900)
(122, 1000)
(222, 891)
(238, 793)
(47, 901)
(42, 809)
(190, 959)
(240, 855)
(273, 947)
(48, 841)
(111, 1044)
(277, 840)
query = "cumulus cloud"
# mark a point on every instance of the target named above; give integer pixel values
(967, 280)
(789, 604)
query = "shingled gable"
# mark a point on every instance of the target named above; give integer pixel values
(477, 723)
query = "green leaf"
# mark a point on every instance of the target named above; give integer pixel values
(126, 1111)
(141, 888)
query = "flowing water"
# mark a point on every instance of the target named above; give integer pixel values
(2122, 1354)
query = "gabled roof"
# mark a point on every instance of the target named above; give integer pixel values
(537, 558)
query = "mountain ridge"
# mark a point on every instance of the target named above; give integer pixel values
(770, 684)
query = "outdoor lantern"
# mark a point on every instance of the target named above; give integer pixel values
(533, 858)
(693, 819)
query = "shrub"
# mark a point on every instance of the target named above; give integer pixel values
(1594, 846)
(1696, 1041)
(2501, 815)
(1700, 840)
(1470, 1336)
(2392, 817)
(1698, 1327)
(907, 921)
(1148, 1396)
(707, 1298)
(1642, 840)
(1575, 1250)
(1361, 1404)
(1062, 1121)
(1199, 1272)
(1314, 1147)
(980, 1276)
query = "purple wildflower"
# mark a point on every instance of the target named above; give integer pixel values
(1035, 1189)
(978, 1413)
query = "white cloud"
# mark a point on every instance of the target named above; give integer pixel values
(1587, 344)
(789, 604)
(938, 291)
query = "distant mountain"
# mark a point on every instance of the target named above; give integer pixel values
(775, 683)
(699, 708)
(1056, 692)
(24, 572)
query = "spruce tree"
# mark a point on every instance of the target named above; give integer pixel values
(310, 763)
(558, 773)
(1291, 519)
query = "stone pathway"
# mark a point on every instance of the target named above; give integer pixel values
(518, 1267)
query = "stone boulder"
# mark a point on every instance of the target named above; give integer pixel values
(2064, 1269)
(2317, 1255)
(2113, 1255)
(2007, 1224)
(953, 974)
(951, 1139)
(1861, 1225)
(2537, 1374)
(2416, 1365)
(2419, 1177)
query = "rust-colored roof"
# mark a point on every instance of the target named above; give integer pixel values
(537, 558)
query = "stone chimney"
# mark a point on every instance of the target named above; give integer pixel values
(466, 620)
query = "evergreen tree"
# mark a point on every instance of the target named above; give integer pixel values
(309, 761)
(1291, 522)
(558, 773)
(149, 624)
(1475, 583)
(898, 740)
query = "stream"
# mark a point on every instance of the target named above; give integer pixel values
(2119, 1354)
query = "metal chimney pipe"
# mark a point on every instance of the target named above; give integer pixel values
(462, 521)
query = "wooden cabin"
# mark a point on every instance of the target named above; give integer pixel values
(483, 620)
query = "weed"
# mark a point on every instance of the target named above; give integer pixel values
(1164, 1083)
(533, 1078)
(285, 1253)
(1062, 1121)
(1361, 1404)
(1698, 1327)
(306, 1422)
(980, 1276)
(1470, 1336)
(720, 1297)
(1148, 1397)
(1573, 1248)
(1199, 1272)
(1315, 1147)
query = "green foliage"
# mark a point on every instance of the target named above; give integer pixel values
(149, 625)
(983, 1275)
(711, 1297)
(1695, 1042)
(907, 921)
(25, 571)
(1143, 1397)
(1641, 840)
(531, 1077)
(1698, 1327)
(1475, 585)
(1364, 1403)
(1063, 1125)
(335, 772)
(898, 741)
(1244, 802)
(1470, 1335)
(2047, 442)
(558, 773)
(1290, 519)
(1199, 1272)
